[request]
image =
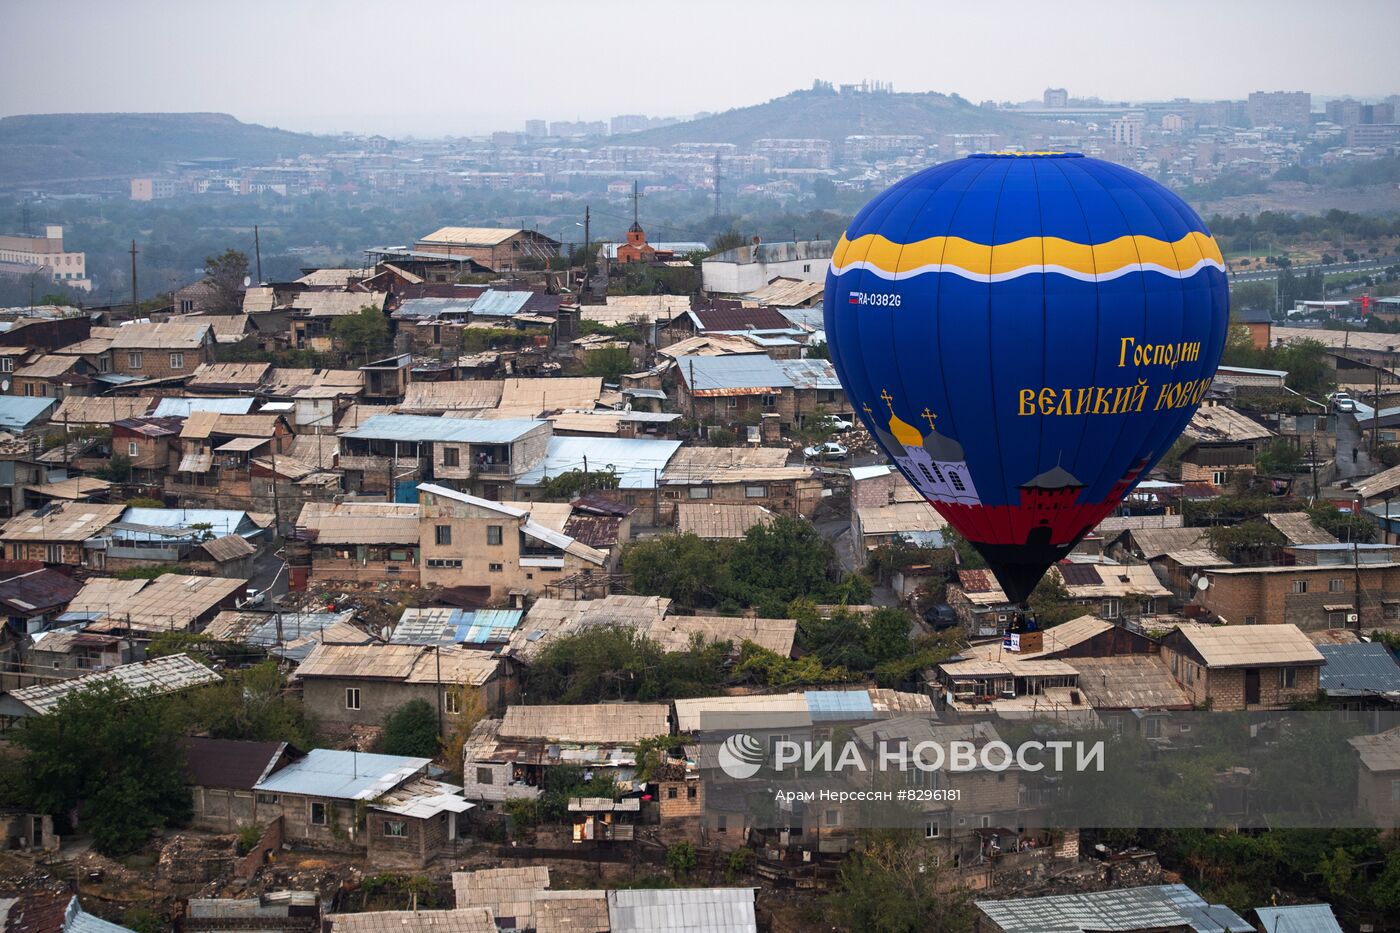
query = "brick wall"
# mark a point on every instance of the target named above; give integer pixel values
(159, 364)
(1269, 597)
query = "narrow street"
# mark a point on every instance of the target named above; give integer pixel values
(1350, 438)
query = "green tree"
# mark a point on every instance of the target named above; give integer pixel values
(887, 634)
(894, 884)
(1248, 542)
(249, 704)
(366, 332)
(412, 730)
(109, 756)
(1344, 526)
(681, 858)
(117, 470)
(776, 563)
(226, 272)
(683, 568)
(1280, 456)
(609, 362)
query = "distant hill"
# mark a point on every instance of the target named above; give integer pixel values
(52, 147)
(828, 115)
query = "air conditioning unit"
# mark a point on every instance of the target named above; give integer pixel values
(1353, 617)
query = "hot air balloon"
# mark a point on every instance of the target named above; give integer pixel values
(1025, 335)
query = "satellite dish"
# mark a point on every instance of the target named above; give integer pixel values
(1203, 583)
(5, 386)
(247, 280)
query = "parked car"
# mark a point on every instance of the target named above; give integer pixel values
(940, 616)
(841, 424)
(828, 451)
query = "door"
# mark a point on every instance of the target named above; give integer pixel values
(1251, 685)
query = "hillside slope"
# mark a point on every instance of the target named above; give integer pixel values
(44, 148)
(827, 115)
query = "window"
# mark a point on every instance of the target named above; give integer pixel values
(442, 534)
(396, 828)
(1288, 677)
(756, 492)
(7, 364)
(1391, 611)
(133, 360)
(770, 401)
(352, 697)
(1110, 608)
(731, 402)
(186, 304)
(493, 534)
(452, 701)
(699, 492)
(496, 568)
(1251, 620)
(1218, 478)
(177, 361)
(671, 793)
(690, 791)
(451, 456)
(485, 776)
(986, 822)
(444, 563)
(132, 448)
(267, 798)
(831, 818)
(931, 829)
(1336, 585)
(318, 814)
(1299, 586)
(104, 363)
(807, 267)
(722, 823)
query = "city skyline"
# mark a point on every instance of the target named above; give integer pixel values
(117, 60)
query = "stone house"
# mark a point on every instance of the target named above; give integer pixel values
(501, 550)
(1310, 596)
(351, 689)
(739, 476)
(483, 456)
(1243, 667)
(506, 759)
(1223, 443)
(76, 653)
(54, 376)
(1378, 778)
(499, 249)
(367, 542)
(222, 774)
(30, 601)
(151, 444)
(217, 454)
(739, 389)
(56, 533)
(385, 806)
(161, 351)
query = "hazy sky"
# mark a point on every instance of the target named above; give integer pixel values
(430, 67)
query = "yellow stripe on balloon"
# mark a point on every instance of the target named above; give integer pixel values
(1032, 254)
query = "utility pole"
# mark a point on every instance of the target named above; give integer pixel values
(135, 295)
(257, 251)
(587, 244)
(1376, 414)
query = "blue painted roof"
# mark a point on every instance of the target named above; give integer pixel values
(436, 307)
(734, 371)
(1299, 918)
(434, 428)
(839, 704)
(1354, 670)
(455, 626)
(222, 522)
(499, 304)
(342, 775)
(638, 461)
(181, 407)
(18, 412)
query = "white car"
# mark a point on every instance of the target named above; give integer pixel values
(1344, 404)
(828, 451)
(841, 424)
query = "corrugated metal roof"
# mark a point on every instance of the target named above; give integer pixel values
(693, 910)
(839, 704)
(1148, 907)
(494, 303)
(343, 775)
(1358, 669)
(811, 374)
(427, 308)
(161, 675)
(433, 428)
(637, 461)
(712, 375)
(221, 522)
(18, 412)
(455, 626)
(181, 407)
(1299, 918)
(471, 236)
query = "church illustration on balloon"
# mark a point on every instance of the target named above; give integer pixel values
(1049, 512)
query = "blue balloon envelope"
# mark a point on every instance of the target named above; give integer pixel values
(1025, 335)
